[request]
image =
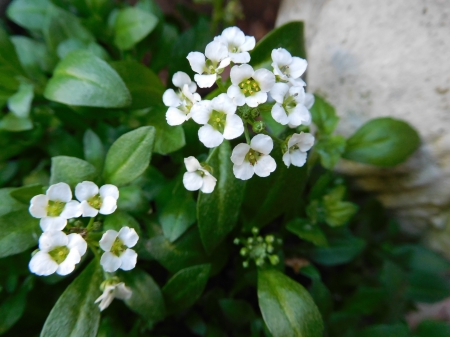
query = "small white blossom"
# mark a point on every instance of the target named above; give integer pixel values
(290, 105)
(297, 146)
(112, 290)
(181, 102)
(248, 86)
(196, 177)
(253, 158)
(237, 43)
(94, 200)
(58, 253)
(219, 120)
(209, 68)
(55, 207)
(117, 249)
(288, 68)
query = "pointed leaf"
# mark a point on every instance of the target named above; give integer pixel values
(70, 170)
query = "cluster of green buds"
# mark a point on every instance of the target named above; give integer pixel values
(258, 248)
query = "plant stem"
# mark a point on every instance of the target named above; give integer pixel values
(216, 15)
(211, 153)
(247, 136)
(90, 224)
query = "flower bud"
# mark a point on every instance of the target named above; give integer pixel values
(258, 126)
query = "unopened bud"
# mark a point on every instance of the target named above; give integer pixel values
(255, 230)
(270, 238)
(255, 113)
(243, 251)
(274, 259)
(258, 126)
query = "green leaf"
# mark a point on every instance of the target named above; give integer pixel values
(338, 212)
(94, 152)
(288, 36)
(339, 251)
(83, 79)
(218, 212)
(427, 287)
(385, 330)
(185, 252)
(168, 138)
(330, 150)
(25, 193)
(177, 216)
(7, 202)
(322, 297)
(382, 142)
(433, 329)
(19, 231)
(72, 44)
(34, 56)
(144, 85)
(161, 46)
(70, 170)
(75, 314)
(129, 156)
(147, 299)
(9, 62)
(13, 307)
(10, 122)
(307, 231)
(324, 116)
(186, 287)
(287, 308)
(20, 102)
(30, 14)
(131, 26)
(120, 219)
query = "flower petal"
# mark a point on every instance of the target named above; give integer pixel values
(223, 103)
(262, 143)
(205, 81)
(192, 181)
(108, 239)
(297, 67)
(216, 51)
(209, 182)
(175, 116)
(51, 239)
(279, 91)
(71, 210)
(110, 262)
(42, 264)
(281, 57)
(240, 73)
(170, 98)
(234, 127)
(265, 165)
(85, 190)
(249, 43)
(128, 236)
(38, 206)
(239, 153)
(129, 259)
(122, 292)
(256, 99)
(180, 78)
(109, 190)
(234, 92)
(59, 192)
(298, 158)
(279, 114)
(209, 136)
(201, 112)
(192, 164)
(265, 79)
(244, 171)
(68, 265)
(53, 223)
(233, 36)
(109, 205)
(87, 210)
(197, 61)
(243, 57)
(287, 159)
(298, 93)
(77, 242)
(309, 101)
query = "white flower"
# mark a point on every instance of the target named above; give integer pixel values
(253, 158)
(290, 105)
(237, 43)
(180, 103)
(288, 68)
(297, 146)
(58, 253)
(111, 291)
(219, 120)
(117, 249)
(208, 69)
(196, 177)
(248, 86)
(55, 207)
(94, 201)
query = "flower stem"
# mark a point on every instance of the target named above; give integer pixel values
(90, 224)
(247, 136)
(211, 153)
(220, 84)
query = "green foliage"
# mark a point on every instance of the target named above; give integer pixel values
(70, 170)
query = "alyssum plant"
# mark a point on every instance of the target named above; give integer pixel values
(86, 212)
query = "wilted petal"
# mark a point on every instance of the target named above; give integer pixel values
(265, 165)
(262, 144)
(59, 192)
(192, 181)
(122, 292)
(42, 264)
(129, 259)
(239, 153)
(110, 262)
(209, 136)
(244, 171)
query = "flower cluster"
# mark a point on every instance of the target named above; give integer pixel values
(230, 114)
(63, 243)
